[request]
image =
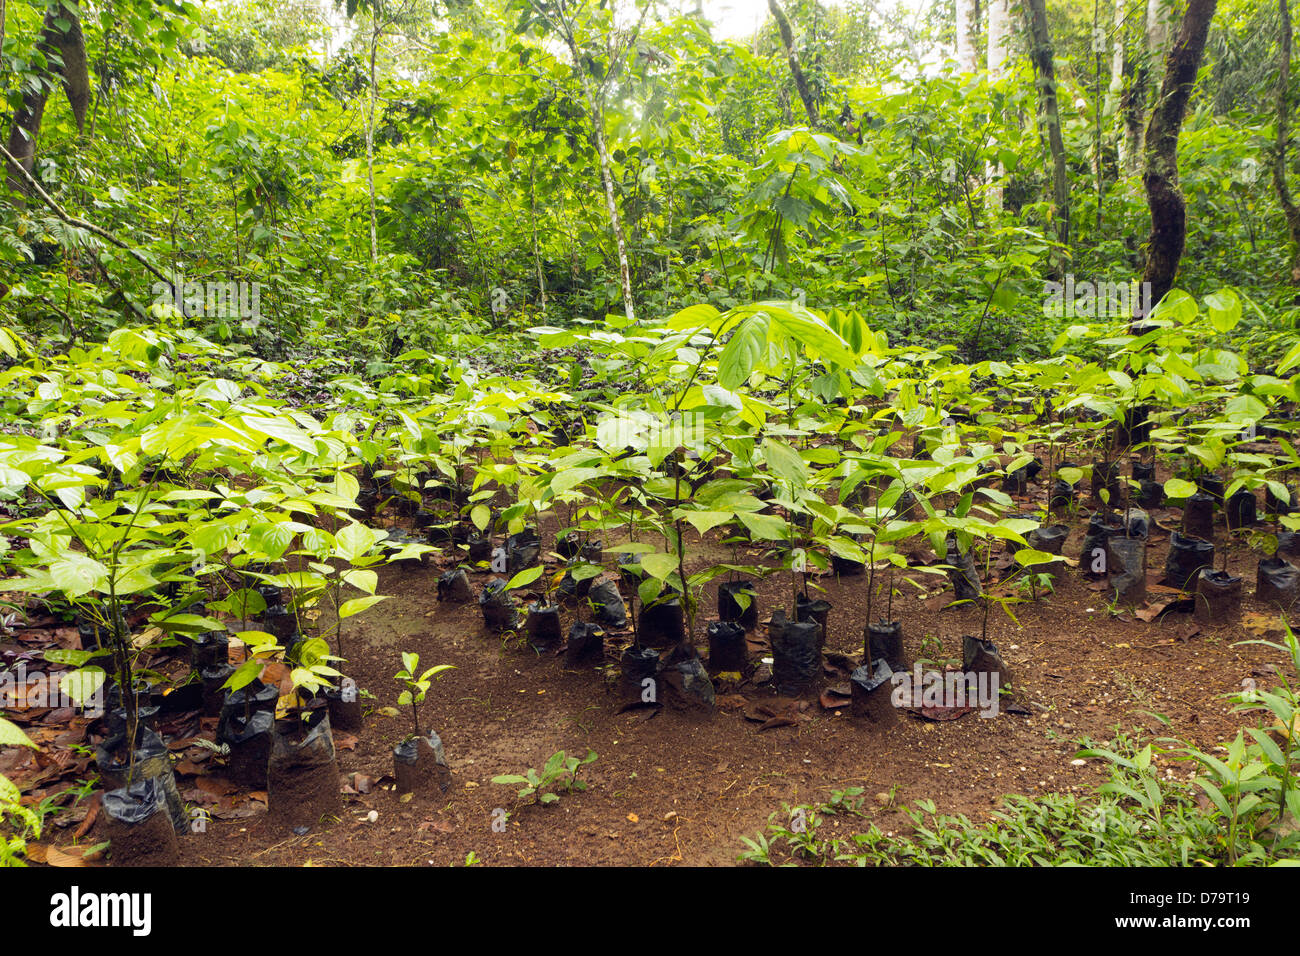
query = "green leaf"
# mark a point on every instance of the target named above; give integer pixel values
(280, 429)
(1290, 360)
(1178, 488)
(738, 360)
(1224, 309)
(570, 478)
(649, 590)
(70, 658)
(270, 539)
(480, 515)
(1030, 556)
(1070, 474)
(244, 674)
(78, 574)
(764, 527)
(706, 521)
(785, 463)
(659, 564)
(353, 541)
(361, 580)
(11, 735)
(83, 685)
(357, 605)
(525, 577)
(189, 623)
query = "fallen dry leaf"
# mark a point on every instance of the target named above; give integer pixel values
(833, 698)
(92, 812)
(73, 856)
(216, 786)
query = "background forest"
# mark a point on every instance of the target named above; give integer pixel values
(419, 172)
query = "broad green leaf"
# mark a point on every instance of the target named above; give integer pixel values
(741, 354)
(84, 685)
(659, 564)
(1178, 488)
(357, 605)
(525, 577)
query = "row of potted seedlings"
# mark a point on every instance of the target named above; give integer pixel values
(1114, 547)
(286, 751)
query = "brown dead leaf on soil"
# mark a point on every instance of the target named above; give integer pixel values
(835, 698)
(36, 852)
(74, 856)
(92, 812)
(217, 786)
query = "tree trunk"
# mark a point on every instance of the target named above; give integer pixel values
(967, 46)
(1125, 132)
(1279, 151)
(999, 37)
(611, 207)
(800, 81)
(1040, 39)
(70, 46)
(532, 216)
(370, 140)
(1160, 177)
(1157, 29)
(1117, 71)
(1156, 26)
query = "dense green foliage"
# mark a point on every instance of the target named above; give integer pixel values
(226, 147)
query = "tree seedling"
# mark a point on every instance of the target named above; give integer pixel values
(559, 774)
(416, 687)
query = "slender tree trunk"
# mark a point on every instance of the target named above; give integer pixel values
(1040, 39)
(1160, 177)
(611, 207)
(595, 95)
(532, 214)
(1117, 72)
(370, 141)
(999, 35)
(1098, 161)
(800, 81)
(1157, 29)
(967, 44)
(1147, 81)
(1283, 134)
